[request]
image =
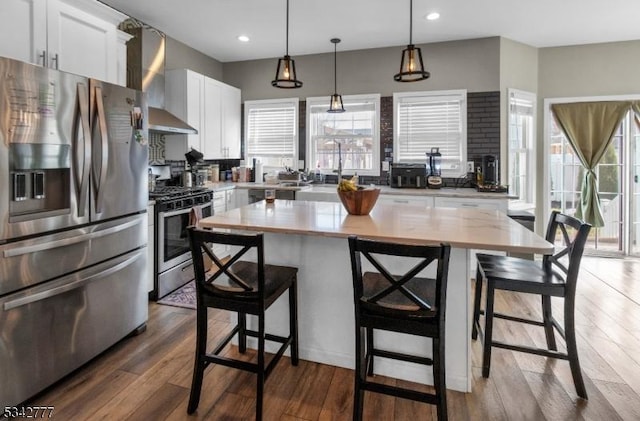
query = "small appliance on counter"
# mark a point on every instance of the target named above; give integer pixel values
(490, 170)
(193, 157)
(402, 175)
(434, 178)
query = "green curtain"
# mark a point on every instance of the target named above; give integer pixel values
(636, 109)
(589, 127)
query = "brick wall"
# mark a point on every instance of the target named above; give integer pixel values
(483, 125)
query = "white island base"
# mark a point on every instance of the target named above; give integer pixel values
(326, 313)
(312, 236)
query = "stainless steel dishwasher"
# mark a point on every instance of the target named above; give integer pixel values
(256, 195)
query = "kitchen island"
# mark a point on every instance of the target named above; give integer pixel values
(312, 236)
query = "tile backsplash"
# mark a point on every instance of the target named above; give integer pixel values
(156, 148)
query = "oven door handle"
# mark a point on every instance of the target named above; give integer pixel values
(69, 241)
(39, 296)
(174, 213)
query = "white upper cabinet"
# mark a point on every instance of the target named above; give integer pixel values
(231, 116)
(72, 35)
(208, 105)
(23, 30)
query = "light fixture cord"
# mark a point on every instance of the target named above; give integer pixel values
(410, 21)
(287, 27)
(335, 68)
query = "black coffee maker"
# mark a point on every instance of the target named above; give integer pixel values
(434, 160)
(490, 170)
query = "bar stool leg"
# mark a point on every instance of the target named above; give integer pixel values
(476, 304)
(261, 374)
(548, 325)
(488, 329)
(199, 364)
(439, 377)
(572, 349)
(358, 401)
(293, 321)
(242, 329)
(369, 353)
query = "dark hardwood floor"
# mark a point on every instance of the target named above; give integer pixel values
(148, 377)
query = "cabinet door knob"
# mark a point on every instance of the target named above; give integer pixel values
(43, 56)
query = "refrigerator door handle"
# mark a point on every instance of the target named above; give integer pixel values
(82, 157)
(69, 241)
(100, 175)
(39, 296)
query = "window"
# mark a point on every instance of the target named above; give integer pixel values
(425, 120)
(356, 131)
(521, 141)
(271, 132)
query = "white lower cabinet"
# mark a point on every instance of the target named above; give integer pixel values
(467, 203)
(406, 200)
(150, 248)
(241, 197)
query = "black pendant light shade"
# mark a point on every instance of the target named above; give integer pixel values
(286, 71)
(336, 105)
(411, 65)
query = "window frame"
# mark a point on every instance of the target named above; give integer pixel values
(433, 96)
(275, 103)
(346, 99)
(528, 203)
(543, 207)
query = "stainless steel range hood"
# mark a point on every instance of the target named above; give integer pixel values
(145, 72)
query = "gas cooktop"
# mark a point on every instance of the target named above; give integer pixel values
(173, 192)
(176, 197)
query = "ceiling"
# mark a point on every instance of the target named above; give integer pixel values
(212, 26)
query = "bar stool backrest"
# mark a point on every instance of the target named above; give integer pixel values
(229, 284)
(564, 264)
(426, 254)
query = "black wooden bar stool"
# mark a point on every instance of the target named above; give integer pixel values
(245, 288)
(405, 304)
(551, 278)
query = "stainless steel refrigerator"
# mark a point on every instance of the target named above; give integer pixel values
(73, 223)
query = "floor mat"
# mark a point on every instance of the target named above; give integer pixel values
(185, 296)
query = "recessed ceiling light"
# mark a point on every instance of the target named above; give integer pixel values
(243, 38)
(432, 16)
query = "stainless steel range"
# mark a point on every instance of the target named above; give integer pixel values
(173, 266)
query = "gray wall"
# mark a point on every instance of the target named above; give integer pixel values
(469, 64)
(181, 56)
(590, 70)
(519, 70)
(582, 71)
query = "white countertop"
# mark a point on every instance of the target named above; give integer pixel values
(464, 228)
(331, 189)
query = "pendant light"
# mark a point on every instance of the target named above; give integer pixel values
(336, 105)
(286, 71)
(411, 66)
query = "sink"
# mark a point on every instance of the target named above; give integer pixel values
(294, 184)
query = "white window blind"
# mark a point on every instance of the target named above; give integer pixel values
(271, 129)
(425, 120)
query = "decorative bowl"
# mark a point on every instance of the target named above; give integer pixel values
(359, 202)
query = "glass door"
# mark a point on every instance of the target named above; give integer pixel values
(634, 189)
(618, 175)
